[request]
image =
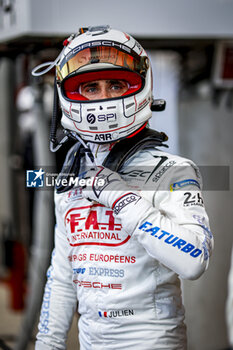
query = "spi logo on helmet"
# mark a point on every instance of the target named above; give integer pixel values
(91, 118)
(107, 117)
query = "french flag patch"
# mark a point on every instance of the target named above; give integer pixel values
(103, 314)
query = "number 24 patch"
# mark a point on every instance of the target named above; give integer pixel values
(193, 199)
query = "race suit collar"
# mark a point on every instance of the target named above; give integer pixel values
(99, 151)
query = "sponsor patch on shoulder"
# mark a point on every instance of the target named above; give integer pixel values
(180, 184)
(124, 201)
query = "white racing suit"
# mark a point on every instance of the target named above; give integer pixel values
(125, 277)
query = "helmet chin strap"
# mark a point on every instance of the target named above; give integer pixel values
(86, 149)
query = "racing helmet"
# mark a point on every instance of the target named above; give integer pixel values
(100, 53)
(95, 54)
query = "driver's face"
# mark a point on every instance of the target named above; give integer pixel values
(103, 89)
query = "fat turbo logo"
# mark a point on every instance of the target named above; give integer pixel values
(180, 184)
(170, 239)
(116, 313)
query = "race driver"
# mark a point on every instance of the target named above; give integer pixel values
(123, 243)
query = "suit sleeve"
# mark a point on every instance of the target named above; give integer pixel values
(59, 302)
(174, 228)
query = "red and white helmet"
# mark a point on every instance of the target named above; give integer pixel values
(104, 53)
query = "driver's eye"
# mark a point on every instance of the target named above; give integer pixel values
(117, 85)
(92, 88)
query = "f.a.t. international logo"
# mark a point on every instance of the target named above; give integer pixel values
(35, 178)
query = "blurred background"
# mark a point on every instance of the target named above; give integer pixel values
(190, 44)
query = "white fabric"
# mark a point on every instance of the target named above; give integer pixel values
(125, 266)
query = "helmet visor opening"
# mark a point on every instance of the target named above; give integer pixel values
(101, 54)
(71, 87)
